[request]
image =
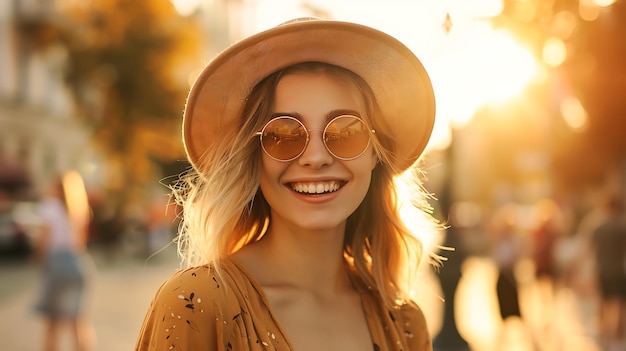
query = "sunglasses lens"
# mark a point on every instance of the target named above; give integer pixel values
(346, 137)
(284, 138)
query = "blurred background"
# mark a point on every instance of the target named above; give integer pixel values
(528, 147)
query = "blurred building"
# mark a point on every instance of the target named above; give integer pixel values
(40, 132)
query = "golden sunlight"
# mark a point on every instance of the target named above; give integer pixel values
(408, 209)
(604, 3)
(506, 67)
(186, 7)
(478, 66)
(475, 9)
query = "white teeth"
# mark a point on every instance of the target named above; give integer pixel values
(315, 188)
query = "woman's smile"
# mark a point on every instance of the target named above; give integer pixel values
(315, 188)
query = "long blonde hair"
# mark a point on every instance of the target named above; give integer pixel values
(224, 209)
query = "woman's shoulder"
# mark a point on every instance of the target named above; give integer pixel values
(196, 286)
(192, 308)
(189, 278)
(410, 311)
(415, 326)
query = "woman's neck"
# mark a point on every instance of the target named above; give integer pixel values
(311, 260)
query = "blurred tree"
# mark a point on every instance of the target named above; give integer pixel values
(128, 70)
(593, 72)
(597, 74)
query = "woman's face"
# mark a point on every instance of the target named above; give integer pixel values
(315, 98)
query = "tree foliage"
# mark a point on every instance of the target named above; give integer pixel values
(128, 66)
(593, 72)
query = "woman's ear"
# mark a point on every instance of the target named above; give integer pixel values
(374, 160)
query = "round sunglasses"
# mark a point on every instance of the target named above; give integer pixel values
(285, 138)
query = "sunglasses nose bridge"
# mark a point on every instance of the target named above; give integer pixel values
(310, 137)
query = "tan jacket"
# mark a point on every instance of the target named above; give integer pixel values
(197, 310)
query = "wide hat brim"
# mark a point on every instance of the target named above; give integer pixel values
(396, 76)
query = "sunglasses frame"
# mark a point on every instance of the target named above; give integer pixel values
(308, 137)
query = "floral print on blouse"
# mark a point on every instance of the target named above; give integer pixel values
(195, 309)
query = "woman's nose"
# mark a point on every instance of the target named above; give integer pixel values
(315, 154)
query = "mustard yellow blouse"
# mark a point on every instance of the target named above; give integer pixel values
(197, 310)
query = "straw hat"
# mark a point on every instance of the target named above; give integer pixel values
(398, 79)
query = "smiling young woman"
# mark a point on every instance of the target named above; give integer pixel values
(291, 236)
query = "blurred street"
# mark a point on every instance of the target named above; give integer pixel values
(122, 290)
(528, 148)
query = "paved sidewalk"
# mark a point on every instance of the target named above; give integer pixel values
(119, 298)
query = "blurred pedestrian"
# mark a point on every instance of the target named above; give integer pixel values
(292, 232)
(549, 229)
(507, 249)
(609, 247)
(60, 251)
(546, 233)
(577, 261)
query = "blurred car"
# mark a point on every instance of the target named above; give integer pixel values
(14, 240)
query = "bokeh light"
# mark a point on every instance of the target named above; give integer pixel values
(554, 52)
(574, 113)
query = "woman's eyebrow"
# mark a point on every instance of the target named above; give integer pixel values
(334, 113)
(330, 115)
(290, 114)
